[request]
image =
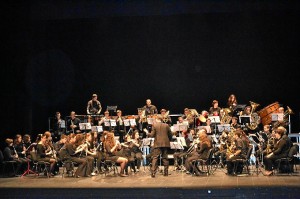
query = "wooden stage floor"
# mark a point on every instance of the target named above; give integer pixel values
(140, 185)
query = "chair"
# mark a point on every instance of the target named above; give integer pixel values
(64, 167)
(4, 163)
(203, 163)
(243, 162)
(40, 166)
(286, 164)
(109, 166)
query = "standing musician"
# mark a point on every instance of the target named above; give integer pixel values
(280, 150)
(236, 150)
(149, 108)
(201, 147)
(120, 128)
(44, 154)
(73, 123)
(232, 102)
(94, 106)
(166, 117)
(162, 136)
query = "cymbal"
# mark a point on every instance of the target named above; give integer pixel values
(202, 118)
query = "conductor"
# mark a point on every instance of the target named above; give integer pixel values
(162, 136)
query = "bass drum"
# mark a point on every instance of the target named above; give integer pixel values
(266, 113)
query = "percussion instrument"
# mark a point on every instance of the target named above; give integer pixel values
(266, 113)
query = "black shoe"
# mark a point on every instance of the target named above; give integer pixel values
(152, 175)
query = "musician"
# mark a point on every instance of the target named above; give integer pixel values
(236, 150)
(90, 153)
(27, 144)
(234, 123)
(120, 128)
(136, 151)
(10, 154)
(166, 117)
(71, 151)
(111, 146)
(43, 154)
(19, 146)
(104, 120)
(280, 150)
(58, 126)
(149, 108)
(232, 102)
(94, 106)
(188, 116)
(162, 136)
(73, 123)
(215, 109)
(141, 122)
(200, 151)
(60, 143)
(126, 152)
(180, 156)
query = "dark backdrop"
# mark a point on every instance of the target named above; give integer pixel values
(186, 54)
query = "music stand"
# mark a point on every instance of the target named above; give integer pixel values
(111, 108)
(176, 145)
(214, 119)
(207, 128)
(132, 122)
(182, 141)
(85, 126)
(98, 129)
(277, 117)
(223, 127)
(150, 120)
(113, 122)
(126, 122)
(245, 119)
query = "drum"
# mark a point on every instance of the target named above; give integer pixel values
(266, 113)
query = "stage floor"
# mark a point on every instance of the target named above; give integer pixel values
(140, 184)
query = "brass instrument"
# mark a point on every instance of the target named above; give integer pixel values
(225, 117)
(166, 117)
(254, 116)
(285, 121)
(191, 149)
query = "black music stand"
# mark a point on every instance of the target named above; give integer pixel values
(215, 120)
(111, 109)
(238, 108)
(245, 119)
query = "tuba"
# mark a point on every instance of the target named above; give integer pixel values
(254, 116)
(225, 117)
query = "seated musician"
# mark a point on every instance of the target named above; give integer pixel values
(90, 152)
(188, 116)
(103, 121)
(72, 151)
(10, 154)
(280, 150)
(20, 147)
(45, 153)
(166, 117)
(120, 128)
(236, 150)
(200, 151)
(127, 152)
(73, 123)
(111, 147)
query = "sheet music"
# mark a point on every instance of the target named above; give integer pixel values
(113, 123)
(85, 126)
(106, 122)
(132, 122)
(150, 120)
(182, 141)
(126, 122)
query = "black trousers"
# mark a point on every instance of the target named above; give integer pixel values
(164, 155)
